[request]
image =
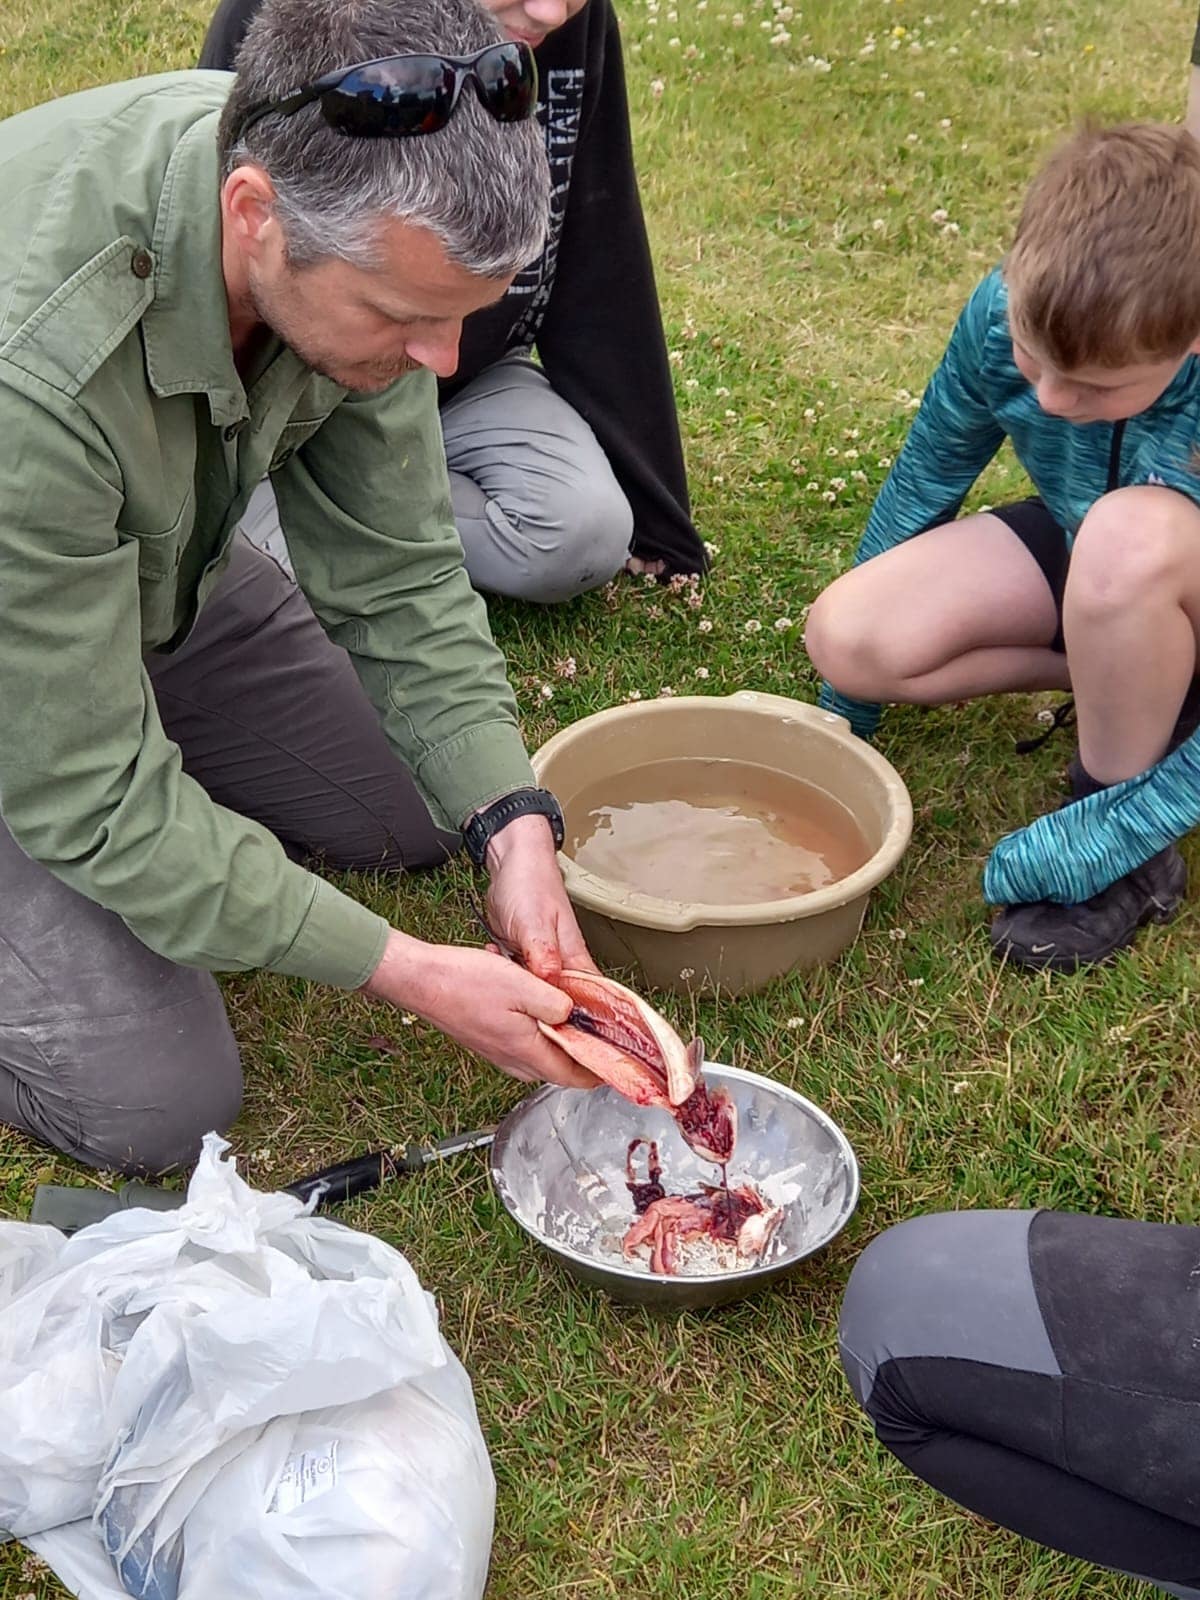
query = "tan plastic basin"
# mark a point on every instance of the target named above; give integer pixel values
(687, 946)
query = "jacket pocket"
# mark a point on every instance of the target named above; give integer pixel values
(159, 555)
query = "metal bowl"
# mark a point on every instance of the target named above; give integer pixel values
(558, 1163)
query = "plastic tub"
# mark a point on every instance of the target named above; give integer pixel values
(692, 946)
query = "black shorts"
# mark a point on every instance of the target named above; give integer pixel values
(1046, 543)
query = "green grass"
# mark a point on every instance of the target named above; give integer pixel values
(806, 294)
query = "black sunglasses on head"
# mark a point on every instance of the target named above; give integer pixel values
(399, 97)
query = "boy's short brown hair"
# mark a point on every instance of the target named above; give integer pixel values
(1105, 267)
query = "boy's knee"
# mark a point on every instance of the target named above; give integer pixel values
(1134, 543)
(838, 644)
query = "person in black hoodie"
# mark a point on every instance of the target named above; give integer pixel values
(561, 472)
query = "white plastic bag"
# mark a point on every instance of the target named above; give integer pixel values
(271, 1410)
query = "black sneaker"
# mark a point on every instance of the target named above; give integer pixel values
(1064, 938)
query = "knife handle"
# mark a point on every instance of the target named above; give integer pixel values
(332, 1185)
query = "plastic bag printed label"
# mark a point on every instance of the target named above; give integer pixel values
(304, 1477)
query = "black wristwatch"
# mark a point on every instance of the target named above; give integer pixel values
(485, 824)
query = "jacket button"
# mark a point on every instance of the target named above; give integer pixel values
(141, 263)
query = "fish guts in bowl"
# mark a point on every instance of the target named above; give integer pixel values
(620, 1185)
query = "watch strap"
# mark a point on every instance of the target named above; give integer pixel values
(487, 823)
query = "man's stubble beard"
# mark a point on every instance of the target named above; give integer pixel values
(362, 378)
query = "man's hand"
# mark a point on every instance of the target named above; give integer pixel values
(527, 903)
(488, 1003)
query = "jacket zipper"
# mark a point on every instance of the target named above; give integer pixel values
(1114, 456)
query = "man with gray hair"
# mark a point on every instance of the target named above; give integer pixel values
(201, 285)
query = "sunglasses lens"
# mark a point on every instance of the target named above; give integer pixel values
(412, 95)
(507, 78)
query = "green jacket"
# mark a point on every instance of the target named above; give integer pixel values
(130, 449)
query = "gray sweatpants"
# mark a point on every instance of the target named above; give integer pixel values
(539, 512)
(109, 1052)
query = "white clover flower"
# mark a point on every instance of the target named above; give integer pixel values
(657, 89)
(885, 461)
(753, 626)
(782, 37)
(837, 483)
(634, 694)
(704, 625)
(566, 667)
(896, 935)
(701, 672)
(691, 383)
(782, 624)
(879, 225)
(850, 455)
(794, 1022)
(737, 20)
(945, 123)
(730, 416)
(858, 476)
(674, 43)
(675, 357)
(950, 229)
(912, 138)
(812, 486)
(809, 413)
(712, 550)
(665, 692)
(832, 450)
(546, 692)
(918, 94)
(829, 494)
(940, 215)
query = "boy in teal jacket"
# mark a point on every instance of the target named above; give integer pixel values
(1082, 349)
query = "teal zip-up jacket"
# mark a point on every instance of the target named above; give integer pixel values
(976, 399)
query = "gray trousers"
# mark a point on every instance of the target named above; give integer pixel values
(539, 512)
(110, 1053)
(1042, 1369)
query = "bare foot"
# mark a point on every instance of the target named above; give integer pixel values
(636, 566)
